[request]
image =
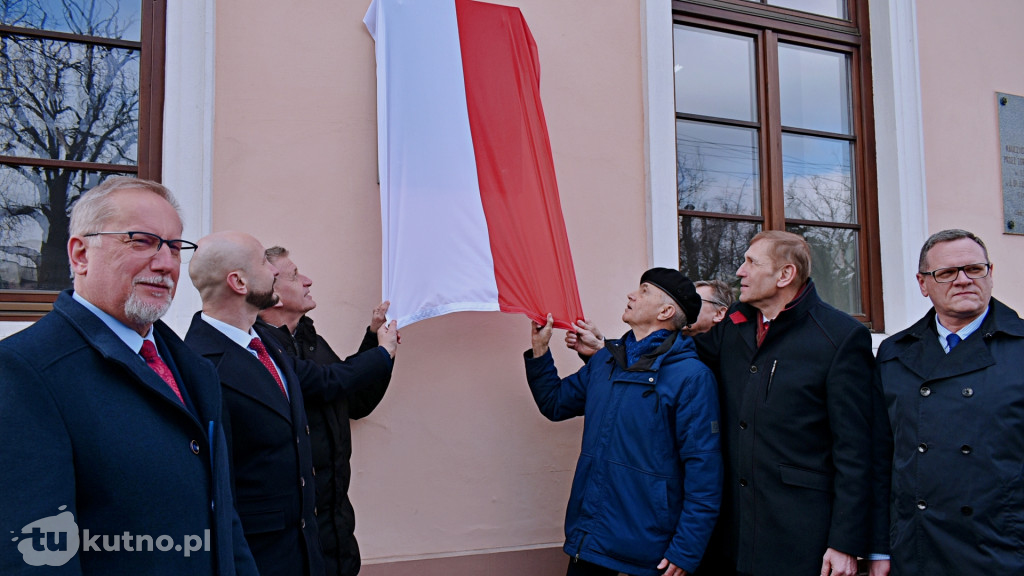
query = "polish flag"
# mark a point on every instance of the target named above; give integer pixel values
(469, 204)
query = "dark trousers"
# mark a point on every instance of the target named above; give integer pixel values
(584, 568)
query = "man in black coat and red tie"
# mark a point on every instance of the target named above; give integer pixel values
(265, 391)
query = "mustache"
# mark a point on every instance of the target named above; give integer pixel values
(161, 280)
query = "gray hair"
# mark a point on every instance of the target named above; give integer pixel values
(275, 252)
(946, 236)
(95, 207)
(720, 291)
(679, 321)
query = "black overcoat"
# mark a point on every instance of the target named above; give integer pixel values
(796, 436)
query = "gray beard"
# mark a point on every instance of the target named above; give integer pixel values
(144, 313)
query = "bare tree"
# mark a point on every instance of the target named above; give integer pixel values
(60, 100)
(711, 248)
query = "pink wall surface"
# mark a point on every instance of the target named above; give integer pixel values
(457, 458)
(968, 51)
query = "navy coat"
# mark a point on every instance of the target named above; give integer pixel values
(86, 424)
(649, 478)
(270, 445)
(958, 464)
(796, 433)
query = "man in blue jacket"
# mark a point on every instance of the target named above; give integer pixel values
(113, 456)
(649, 478)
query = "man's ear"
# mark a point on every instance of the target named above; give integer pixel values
(78, 255)
(921, 284)
(788, 275)
(719, 314)
(668, 311)
(236, 282)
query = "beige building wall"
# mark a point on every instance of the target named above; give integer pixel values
(456, 461)
(969, 51)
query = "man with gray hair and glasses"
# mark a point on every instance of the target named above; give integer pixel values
(716, 297)
(952, 448)
(111, 426)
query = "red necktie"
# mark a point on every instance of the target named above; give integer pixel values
(148, 353)
(261, 353)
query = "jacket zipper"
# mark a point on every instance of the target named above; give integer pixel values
(576, 558)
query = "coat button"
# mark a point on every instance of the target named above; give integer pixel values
(753, 369)
(743, 482)
(194, 446)
(922, 447)
(921, 504)
(965, 449)
(925, 391)
(743, 425)
(650, 379)
(966, 510)
(967, 392)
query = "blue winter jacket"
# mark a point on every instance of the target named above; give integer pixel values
(648, 483)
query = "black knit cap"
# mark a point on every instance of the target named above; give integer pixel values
(679, 287)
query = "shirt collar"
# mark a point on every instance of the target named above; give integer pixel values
(130, 337)
(237, 336)
(964, 332)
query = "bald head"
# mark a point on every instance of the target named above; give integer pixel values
(232, 274)
(218, 255)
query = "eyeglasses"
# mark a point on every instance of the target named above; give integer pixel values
(146, 244)
(972, 271)
(715, 302)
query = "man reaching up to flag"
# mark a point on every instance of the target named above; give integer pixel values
(649, 478)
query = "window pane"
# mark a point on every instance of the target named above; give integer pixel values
(35, 206)
(104, 18)
(831, 8)
(712, 248)
(815, 89)
(834, 265)
(715, 74)
(69, 101)
(717, 168)
(817, 177)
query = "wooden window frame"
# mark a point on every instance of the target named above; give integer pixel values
(30, 305)
(769, 25)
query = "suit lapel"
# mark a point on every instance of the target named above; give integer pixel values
(286, 364)
(107, 344)
(239, 370)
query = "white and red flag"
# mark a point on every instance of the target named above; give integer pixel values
(469, 203)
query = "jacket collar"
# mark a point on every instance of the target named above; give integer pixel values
(652, 360)
(109, 346)
(743, 313)
(919, 350)
(238, 369)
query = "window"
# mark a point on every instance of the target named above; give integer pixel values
(774, 130)
(81, 92)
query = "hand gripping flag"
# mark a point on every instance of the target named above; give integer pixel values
(469, 204)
